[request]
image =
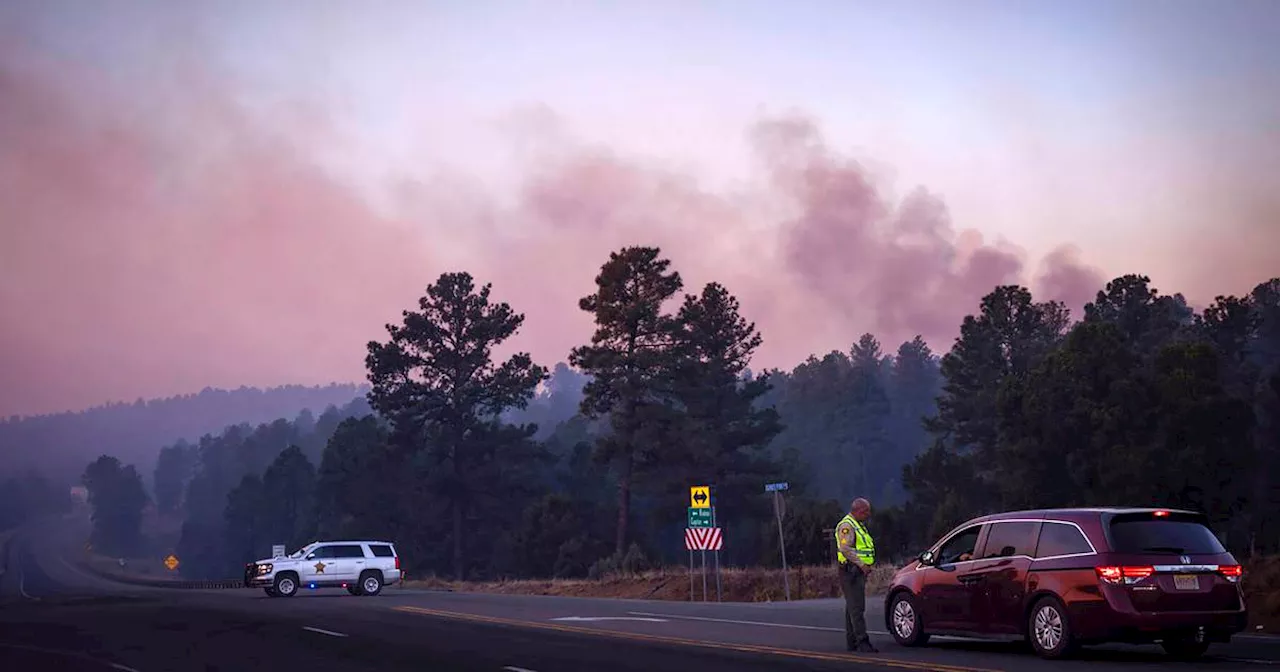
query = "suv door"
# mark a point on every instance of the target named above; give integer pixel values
(349, 560)
(1005, 560)
(948, 594)
(318, 565)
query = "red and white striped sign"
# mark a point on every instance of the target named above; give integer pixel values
(703, 539)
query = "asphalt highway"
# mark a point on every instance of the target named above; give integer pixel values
(55, 616)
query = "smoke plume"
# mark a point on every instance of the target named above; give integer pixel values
(163, 240)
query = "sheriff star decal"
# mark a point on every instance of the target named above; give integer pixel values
(319, 568)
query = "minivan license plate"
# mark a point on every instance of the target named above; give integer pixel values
(1186, 582)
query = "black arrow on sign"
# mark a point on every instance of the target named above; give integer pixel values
(700, 497)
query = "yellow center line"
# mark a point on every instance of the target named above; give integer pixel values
(662, 639)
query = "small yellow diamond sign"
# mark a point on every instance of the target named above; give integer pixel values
(171, 562)
(700, 497)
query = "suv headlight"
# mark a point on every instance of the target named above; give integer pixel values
(264, 569)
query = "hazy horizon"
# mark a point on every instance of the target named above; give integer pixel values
(232, 193)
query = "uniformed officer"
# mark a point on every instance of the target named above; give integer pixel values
(856, 552)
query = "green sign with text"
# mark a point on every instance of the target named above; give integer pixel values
(699, 517)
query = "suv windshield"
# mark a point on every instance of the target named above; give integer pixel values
(1147, 535)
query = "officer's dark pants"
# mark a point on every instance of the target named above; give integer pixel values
(854, 585)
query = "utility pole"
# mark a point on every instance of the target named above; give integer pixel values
(779, 511)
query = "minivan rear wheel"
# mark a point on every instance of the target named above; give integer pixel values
(1184, 648)
(1049, 630)
(904, 621)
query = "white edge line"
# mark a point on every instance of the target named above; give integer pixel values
(123, 668)
(609, 618)
(736, 622)
(509, 668)
(324, 632)
(779, 625)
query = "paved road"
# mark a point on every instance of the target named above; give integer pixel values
(56, 617)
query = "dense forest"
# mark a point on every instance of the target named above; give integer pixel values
(479, 467)
(59, 445)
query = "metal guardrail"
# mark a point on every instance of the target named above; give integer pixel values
(165, 583)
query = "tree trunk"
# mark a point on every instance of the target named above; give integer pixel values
(459, 574)
(624, 500)
(459, 500)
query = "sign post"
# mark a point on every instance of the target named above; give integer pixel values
(699, 500)
(704, 575)
(779, 511)
(703, 535)
(713, 525)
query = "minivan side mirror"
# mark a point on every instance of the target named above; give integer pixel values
(926, 558)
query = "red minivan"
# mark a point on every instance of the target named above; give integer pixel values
(1066, 577)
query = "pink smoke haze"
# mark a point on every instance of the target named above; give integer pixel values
(159, 245)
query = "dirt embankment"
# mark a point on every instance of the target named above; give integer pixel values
(1262, 591)
(737, 584)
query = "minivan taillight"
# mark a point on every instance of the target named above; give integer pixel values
(1117, 575)
(1232, 572)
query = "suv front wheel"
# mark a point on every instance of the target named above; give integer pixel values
(904, 621)
(286, 584)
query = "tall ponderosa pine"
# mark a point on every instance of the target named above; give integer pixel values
(117, 498)
(289, 486)
(359, 485)
(1010, 335)
(721, 431)
(713, 348)
(1147, 319)
(630, 359)
(437, 382)
(174, 469)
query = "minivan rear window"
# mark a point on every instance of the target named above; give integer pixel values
(1163, 535)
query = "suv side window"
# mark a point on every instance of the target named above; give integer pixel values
(1061, 539)
(960, 548)
(348, 551)
(321, 553)
(1006, 540)
(381, 551)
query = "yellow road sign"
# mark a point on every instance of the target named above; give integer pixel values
(700, 496)
(171, 562)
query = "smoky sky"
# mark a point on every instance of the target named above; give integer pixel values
(162, 238)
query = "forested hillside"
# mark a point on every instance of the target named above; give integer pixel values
(482, 468)
(60, 444)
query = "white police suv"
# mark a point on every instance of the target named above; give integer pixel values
(362, 567)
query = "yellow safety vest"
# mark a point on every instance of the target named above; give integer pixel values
(863, 544)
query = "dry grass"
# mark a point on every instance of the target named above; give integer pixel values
(1262, 590)
(672, 583)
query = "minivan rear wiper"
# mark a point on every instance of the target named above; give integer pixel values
(1164, 549)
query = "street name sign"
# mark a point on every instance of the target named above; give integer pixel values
(699, 517)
